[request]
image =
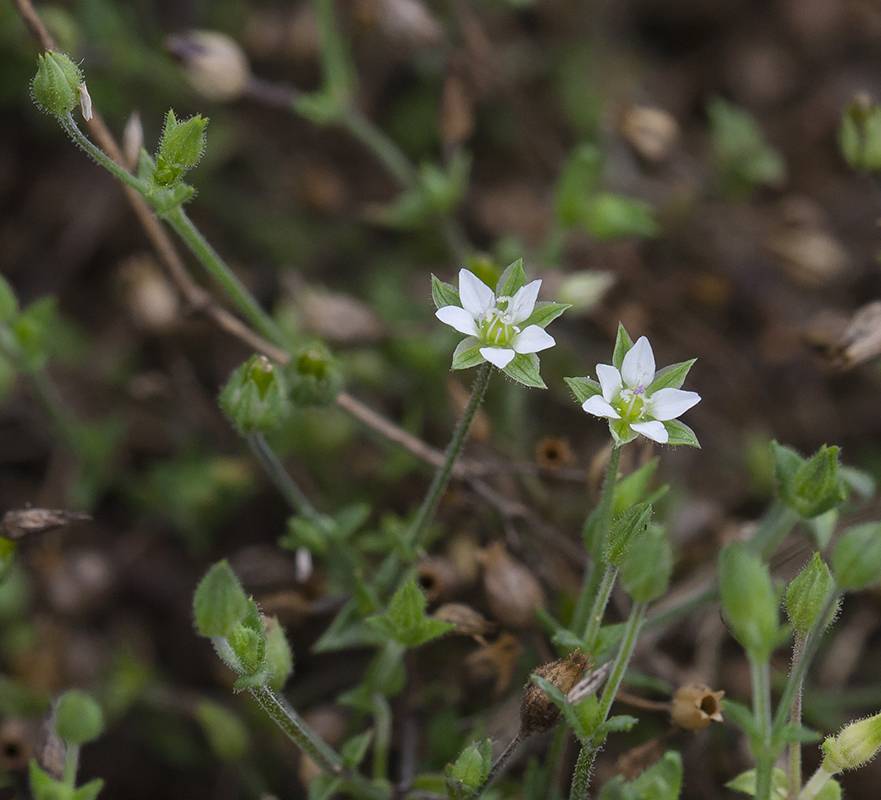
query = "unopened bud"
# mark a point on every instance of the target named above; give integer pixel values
(255, 397)
(856, 745)
(806, 595)
(213, 63)
(180, 149)
(809, 486)
(55, 86)
(78, 718)
(279, 658)
(695, 706)
(537, 711)
(313, 376)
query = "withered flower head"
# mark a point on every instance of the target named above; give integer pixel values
(537, 712)
(694, 706)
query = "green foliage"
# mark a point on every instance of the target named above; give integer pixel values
(860, 134)
(45, 787)
(626, 527)
(661, 781)
(469, 771)
(405, 620)
(856, 559)
(220, 603)
(744, 158)
(78, 718)
(809, 486)
(647, 565)
(226, 733)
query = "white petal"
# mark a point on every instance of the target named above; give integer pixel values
(653, 430)
(457, 318)
(498, 356)
(638, 367)
(610, 381)
(532, 339)
(523, 303)
(670, 403)
(599, 408)
(475, 295)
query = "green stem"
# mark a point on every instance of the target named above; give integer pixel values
(764, 753)
(583, 769)
(795, 719)
(339, 77)
(217, 268)
(386, 151)
(818, 781)
(282, 479)
(598, 610)
(442, 476)
(779, 521)
(71, 763)
(99, 155)
(502, 761)
(382, 720)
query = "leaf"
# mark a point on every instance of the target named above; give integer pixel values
(405, 621)
(444, 294)
(524, 369)
(324, 787)
(746, 783)
(741, 716)
(354, 750)
(583, 388)
(671, 377)
(610, 216)
(680, 433)
(467, 354)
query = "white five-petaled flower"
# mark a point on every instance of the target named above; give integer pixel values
(628, 401)
(496, 321)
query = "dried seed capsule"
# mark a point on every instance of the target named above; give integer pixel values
(468, 622)
(537, 711)
(694, 706)
(490, 668)
(438, 578)
(513, 593)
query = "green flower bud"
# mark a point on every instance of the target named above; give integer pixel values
(625, 527)
(180, 149)
(78, 718)
(749, 601)
(470, 770)
(646, 567)
(809, 486)
(856, 745)
(806, 595)
(226, 735)
(255, 398)
(314, 376)
(220, 603)
(279, 659)
(248, 642)
(55, 85)
(860, 134)
(857, 557)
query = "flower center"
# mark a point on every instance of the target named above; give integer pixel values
(496, 325)
(631, 405)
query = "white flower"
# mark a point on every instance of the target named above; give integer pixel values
(629, 402)
(496, 321)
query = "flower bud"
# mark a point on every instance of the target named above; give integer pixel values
(860, 133)
(78, 718)
(220, 603)
(279, 658)
(694, 706)
(809, 486)
(213, 63)
(56, 83)
(255, 397)
(857, 557)
(856, 745)
(180, 149)
(806, 595)
(537, 711)
(314, 376)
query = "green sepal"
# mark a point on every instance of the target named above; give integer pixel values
(467, 354)
(225, 732)
(512, 279)
(524, 368)
(544, 314)
(809, 486)
(444, 294)
(671, 377)
(279, 658)
(354, 750)
(166, 200)
(54, 87)
(623, 344)
(405, 620)
(679, 433)
(856, 560)
(647, 565)
(806, 595)
(78, 718)
(255, 398)
(313, 375)
(583, 388)
(180, 149)
(220, 603)
(248, 641)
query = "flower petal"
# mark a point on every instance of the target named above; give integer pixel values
(638, 367)
(457, 318)
(610, 381)
(475, 295)
(653, 430)
(498, 356)
(670, 403)
(599, 408)
(532, 339)
(523, 302)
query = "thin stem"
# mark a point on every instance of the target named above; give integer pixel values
(282, 478)
(779, 521)
(598, 610)
(100, 156)
(442, 476)
(764, 753)
(339, 78)
(502, 760)
(382, 720)
(71, 763)
(219, 270)
(385, 149)
(795, 719)
(583, 770)
(818, 781)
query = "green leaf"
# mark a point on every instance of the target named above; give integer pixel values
(467, 354)
(578, 179)
(856, 560)
(544, 314)
(405, 621)
(608, 217)
(44, 786)
(512, 279)
(583, 388)
(798, 734)
(524, 369)
(89, 791)
(623, 343)
(609, 636)
(661, 781)
(226, 733)
(746, 783)
(647, 565)
(8, 301)
(324, 787)
(579, 717)
(741, 716)
(354, 750)
(220, 603)
(631, 490)
(671, 377)
(624, 529)
(444, 294)
(680, 434)
(470, 770)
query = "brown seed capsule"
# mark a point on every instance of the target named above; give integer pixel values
(513, 593)
(491, 667)
(468, 622)
(537, 712)
(438, 578)
(553, 454)
(18, 741)
(694, 706)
